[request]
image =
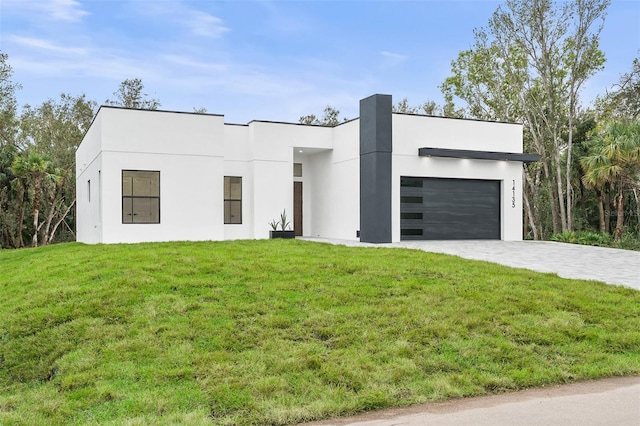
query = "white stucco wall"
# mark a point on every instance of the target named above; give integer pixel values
(191, 188)
(187, 150)
(336, 192)
(88, 168)
(273, 150)
(413, 132)
(237, 162)
(193, 153)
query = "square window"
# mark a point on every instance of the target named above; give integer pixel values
(140, 196)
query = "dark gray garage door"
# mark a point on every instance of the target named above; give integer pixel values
(449, 209)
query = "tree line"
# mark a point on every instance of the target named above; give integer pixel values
(37, 159)
(529, 65)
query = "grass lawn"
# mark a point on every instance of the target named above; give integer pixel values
(279, 332)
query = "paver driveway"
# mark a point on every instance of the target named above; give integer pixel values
(612, 266)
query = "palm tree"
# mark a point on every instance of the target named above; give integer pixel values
(37, 170)
(614, 159)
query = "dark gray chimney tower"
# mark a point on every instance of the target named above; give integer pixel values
(375, 169)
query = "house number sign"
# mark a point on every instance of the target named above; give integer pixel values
(513, 197)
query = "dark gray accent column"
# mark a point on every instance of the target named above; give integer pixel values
(375, 169)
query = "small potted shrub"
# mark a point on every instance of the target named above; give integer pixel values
(283, 224)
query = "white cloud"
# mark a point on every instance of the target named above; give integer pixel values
(57, 10)
(65, 10)
(393, 56)
(46, 45)
(195, 74)
(204, 24)
(391, 59)
(194, 21)
(107, 67)
(182, 60)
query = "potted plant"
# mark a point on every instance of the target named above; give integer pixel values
(284, 224)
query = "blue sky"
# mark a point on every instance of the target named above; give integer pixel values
(270, 60)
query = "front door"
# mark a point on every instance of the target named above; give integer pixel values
(297, 208)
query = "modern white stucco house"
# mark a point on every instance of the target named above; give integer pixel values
(167, 176)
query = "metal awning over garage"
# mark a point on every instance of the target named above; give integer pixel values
(478, 155)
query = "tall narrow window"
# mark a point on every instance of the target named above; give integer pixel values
(232, 200)
(140, 196)
(89, 190)
(99, 196)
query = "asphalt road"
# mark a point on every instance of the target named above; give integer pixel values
(608, 402)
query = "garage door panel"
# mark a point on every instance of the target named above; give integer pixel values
(449, 204)
(459, 219)
(447, 233)
(445, 209)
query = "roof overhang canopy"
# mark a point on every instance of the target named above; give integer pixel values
(478, 155)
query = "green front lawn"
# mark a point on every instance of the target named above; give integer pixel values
(279, 332)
